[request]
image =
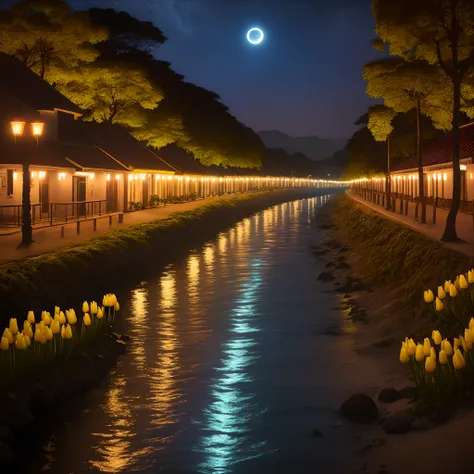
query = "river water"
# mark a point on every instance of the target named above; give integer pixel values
(228, 368)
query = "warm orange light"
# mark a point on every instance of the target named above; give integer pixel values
(107, 176)
(18, 128)
(37, 129)
(118, 177)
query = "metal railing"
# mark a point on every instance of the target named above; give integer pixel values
(11, 215)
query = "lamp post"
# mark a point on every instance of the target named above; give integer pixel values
(18, 129)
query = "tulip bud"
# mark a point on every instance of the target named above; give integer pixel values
(68, 332)
(87, 320)
(470, 276)
(428, 296)
(63, 331)
(8, 335)
(20, 342)
(93, 307)
(113, 300)
(436, 336)
(456, 343)
(453, 291)
(419, 355)
(471, 324)
(13, 326)
(426, 347)
(458, 360)
(463, 282)
(46, 318)
(447, 347)
(468, 337)
(62, 318)
(55, 327)
(38, 333)
(28, 331)
(4, 345)
(56, 310)
(105, 300)
(411, 347)
(47, 334)
(443, 358)
(430, 364)
(432, 352)
(117, 306)
(85, 307)
(439, 306)
(100, 313)
(27, 339)
(71, 317)
(457, 285)
(31, 317)
(463, 343)
(441, 293)
(404, 357)
(447, 285)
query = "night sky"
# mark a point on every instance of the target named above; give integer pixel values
(305, 78)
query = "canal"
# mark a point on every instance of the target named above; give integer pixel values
(228, 370)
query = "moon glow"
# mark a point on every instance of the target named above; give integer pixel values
(255, 36)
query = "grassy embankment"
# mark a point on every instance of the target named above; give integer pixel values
(396, 260)
(103, 263)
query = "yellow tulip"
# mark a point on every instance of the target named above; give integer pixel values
(20, 342)
(8, 335)
(439, 306)
(447, 285)
(426, 347)
(68, 332)
(46, 318)
(105, 300)
(87, 320)
(38, 334)
(470, 276)
(447, 347)
(85, 307)
(117, 306)
(56, 310)
(458, 360)
(47, 333)
(31, 317)
(100, 313)
(27, 339)
(456, 343)
(419, 355)
(113, 300)
(55, 327)
(4, 345)
(457, 284)
(471, 324)
(63, 331)
(463, 282)
(463, 343)
(71, 316)
(433, 352)
(430, 364)
(404, 357)
(443, 358)
(428, 296)
(62, 318)
(94, 307)
(13, 326)
(28, 331)
(453, 291)
(441, 293)
(468, 337)
(411, 347)
(436, 336)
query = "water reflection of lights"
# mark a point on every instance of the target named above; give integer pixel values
(165, 393)
(224, 443)
(139, 311)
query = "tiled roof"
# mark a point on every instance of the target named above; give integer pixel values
(28, 87)
(441, 151)
(117, 142)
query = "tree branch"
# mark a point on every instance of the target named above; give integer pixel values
(441, 60)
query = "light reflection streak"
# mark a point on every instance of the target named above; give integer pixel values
(225, 442)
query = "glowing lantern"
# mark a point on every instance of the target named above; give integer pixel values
(17, 128)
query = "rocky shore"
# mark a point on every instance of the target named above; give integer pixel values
(27, 405)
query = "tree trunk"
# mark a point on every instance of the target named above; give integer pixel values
(421, 181)
(389, 180)
(449, 234)
(26, 229)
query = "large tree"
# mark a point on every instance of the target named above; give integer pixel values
(412, 84)
(442, 33)
(49, 37)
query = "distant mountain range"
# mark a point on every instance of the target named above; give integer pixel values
(313, 147)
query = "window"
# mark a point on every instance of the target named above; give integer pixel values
(9, 182)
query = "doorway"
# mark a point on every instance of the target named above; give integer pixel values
(111, 195)
(79, 195)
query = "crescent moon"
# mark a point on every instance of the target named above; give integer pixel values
(255, 41)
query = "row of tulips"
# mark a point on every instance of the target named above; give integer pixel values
(453, 302)
(442, 369)
(53, 335)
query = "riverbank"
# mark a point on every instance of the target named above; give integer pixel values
(386, 268)
(56, 278)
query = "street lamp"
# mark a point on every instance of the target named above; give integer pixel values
(18, 130)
